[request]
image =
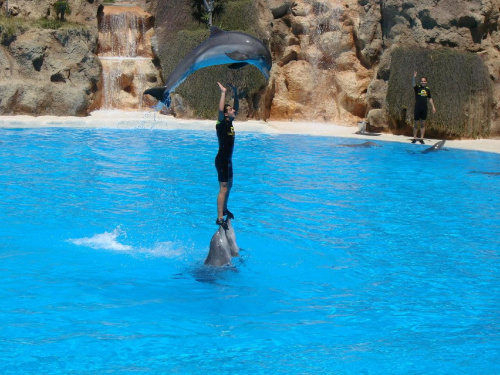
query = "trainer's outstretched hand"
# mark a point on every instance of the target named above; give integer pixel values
(222, 88)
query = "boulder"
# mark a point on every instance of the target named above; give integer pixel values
(377, 121)
(49, 72)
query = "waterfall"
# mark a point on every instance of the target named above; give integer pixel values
(124, 49)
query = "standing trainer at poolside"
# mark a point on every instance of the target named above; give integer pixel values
(422, 92)
(223, 160)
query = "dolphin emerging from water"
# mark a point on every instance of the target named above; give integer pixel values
(438, 146)
(222, 47)
(222, 246)
(219, 254)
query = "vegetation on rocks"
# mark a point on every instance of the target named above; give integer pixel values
(12, 26)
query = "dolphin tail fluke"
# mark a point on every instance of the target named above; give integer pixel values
(159, 93)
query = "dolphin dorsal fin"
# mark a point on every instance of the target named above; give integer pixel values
(214, 31)
(237, 56)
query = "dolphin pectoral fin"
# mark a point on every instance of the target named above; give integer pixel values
(265, 71)
(214, 31)
(237, 56)
(237, 65)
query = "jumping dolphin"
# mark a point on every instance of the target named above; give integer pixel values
(231, 240)
(438, 146)
(222, 47)
(219, 254)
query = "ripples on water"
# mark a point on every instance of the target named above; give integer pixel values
(354, 260)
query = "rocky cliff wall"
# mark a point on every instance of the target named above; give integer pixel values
(49, 72)
(333, 57)
(45, 71)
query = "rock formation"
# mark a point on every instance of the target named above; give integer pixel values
(45, 71)
(49, 72)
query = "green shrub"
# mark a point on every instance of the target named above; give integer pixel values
(46, 23)
(11, 26)
(54, 24)
(460, 85)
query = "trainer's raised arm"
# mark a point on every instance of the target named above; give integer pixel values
(222, 97)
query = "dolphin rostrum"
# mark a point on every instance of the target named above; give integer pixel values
(222, 47)
(438, 146)
(219, 254)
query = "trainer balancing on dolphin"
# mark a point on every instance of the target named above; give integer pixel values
(222, 47)
(223, 244)
(223, 160)
(422, 92)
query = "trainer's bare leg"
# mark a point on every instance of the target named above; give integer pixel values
(229, 186)
(222, 198)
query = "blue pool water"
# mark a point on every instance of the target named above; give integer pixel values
(354, 261)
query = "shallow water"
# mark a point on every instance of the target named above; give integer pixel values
(374, 261)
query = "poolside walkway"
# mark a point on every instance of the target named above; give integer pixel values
(153, 120)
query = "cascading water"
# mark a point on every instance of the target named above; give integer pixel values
(126, 55)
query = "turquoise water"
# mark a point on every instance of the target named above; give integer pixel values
(354, 261)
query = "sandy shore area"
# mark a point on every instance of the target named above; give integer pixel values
(153, 120)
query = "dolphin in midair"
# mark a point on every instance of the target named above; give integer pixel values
(222, 47)
(438, 146)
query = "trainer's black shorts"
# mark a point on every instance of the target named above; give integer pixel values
(224, 169)
(420, 113)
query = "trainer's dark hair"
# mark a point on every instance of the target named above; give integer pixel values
(421, 78)
(226, 106)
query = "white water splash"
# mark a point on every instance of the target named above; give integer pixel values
(166, 249)
(106, 241)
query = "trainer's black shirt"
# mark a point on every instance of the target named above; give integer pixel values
(225, 135)
(421, 95)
